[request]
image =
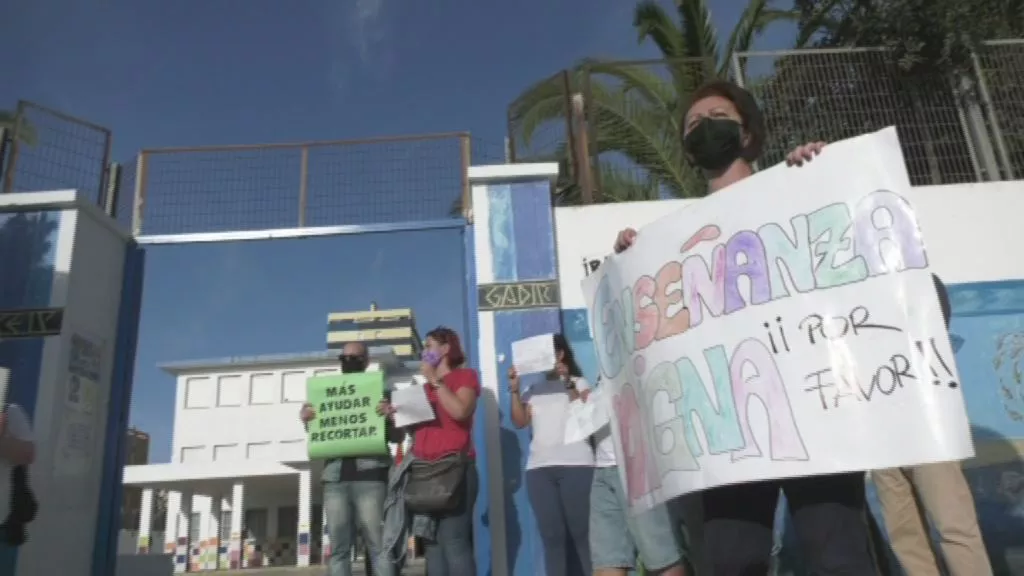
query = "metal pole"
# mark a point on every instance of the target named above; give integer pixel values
(113, 189)
(139, 194)
(303, 186)
(12, 160)
(993, 118)
(3, 151)
(467, 192)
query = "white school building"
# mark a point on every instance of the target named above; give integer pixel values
(238, 444)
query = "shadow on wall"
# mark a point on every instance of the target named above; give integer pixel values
(511, 482)
(27, 244)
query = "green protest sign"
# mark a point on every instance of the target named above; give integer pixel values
(346, 422)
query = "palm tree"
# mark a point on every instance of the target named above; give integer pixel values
(635, 114)
(26, 132)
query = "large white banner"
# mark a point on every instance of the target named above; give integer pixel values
(785, 326)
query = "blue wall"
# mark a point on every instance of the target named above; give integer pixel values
(987, 330)
(27, 245)
(522, 248)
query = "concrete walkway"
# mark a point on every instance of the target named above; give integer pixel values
(412, 568)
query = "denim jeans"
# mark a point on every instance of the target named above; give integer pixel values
(560, 498)
(350, 505)
(451, 551)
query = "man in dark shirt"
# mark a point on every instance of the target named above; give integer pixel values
(354, 490)
(910, 495)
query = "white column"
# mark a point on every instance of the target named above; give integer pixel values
(325, 538)
(223, 545)
(236, 552)
(171, 526)
(182, 555)
(145, 520)
(305, 505)
(211, 535)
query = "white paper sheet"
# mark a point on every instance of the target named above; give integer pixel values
(411, 406)
(534, 354)
(586, 418)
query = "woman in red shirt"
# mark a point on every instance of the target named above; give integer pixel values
(453, 391)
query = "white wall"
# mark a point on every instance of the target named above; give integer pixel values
(246, 413)
(970, 230)
(70, 434)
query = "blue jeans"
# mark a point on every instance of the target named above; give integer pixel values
(560, 498)
(349, 505)
(451, 551)
(616, 535)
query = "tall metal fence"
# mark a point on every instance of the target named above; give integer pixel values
(246, 187)
(228, 188)
(50, 150)
(953, 130)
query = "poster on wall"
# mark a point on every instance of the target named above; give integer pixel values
(77, 440)
(785, 326)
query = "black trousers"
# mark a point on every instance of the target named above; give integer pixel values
(828, 514)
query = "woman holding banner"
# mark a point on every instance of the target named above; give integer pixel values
(723, 133)
(558, 474)
(439, 478)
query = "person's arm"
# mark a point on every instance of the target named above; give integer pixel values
(457, 397)
(578, 388)
(521, 414)
(16, 445)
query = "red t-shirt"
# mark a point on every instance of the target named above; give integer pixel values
(446, 435)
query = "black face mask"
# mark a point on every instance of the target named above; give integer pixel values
(353, 364)
(714, 143)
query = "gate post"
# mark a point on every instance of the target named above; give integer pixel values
(517, 296)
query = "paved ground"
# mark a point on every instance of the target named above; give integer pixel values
(413, 568)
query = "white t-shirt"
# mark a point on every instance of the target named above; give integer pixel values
(604, 452)
(18, 427)
(549, 412)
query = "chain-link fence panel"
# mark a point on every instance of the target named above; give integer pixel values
(833, 94)
(999, 66)
(51, 150)
(236, 188)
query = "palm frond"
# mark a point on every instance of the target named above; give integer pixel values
(699, 33)
(757, 16)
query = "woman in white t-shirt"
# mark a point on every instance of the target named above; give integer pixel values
(558, 475)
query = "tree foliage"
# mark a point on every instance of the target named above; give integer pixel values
(633, 112)
(26, 132)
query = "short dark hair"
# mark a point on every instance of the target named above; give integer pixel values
(445, 335)
(746, 105)
(568, 358)
(364, 350)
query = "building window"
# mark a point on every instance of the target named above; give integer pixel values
(263, 388)
(192, 454)
(227, 453)
(194, 520)
(256, 524)
(293, 388)
(225, 525)
(260, 451)
(292, 450)
(199, 392)
(229, 390)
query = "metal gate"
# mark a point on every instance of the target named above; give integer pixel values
(273, 192)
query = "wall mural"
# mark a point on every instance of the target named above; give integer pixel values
(987, 334)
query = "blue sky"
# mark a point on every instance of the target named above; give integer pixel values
(162, 73)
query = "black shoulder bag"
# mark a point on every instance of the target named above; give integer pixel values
(435, 486)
